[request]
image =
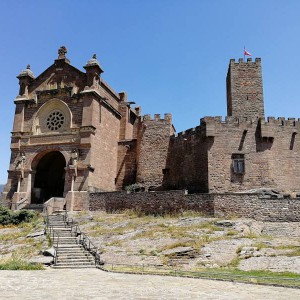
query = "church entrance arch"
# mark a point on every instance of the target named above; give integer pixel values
(49, 177)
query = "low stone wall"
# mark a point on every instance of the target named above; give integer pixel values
(166, 202)
(220, 205)
(257, 207)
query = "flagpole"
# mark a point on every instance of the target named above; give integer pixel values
(244, 53)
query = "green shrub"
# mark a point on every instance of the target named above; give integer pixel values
(8, 216)
(133, 188)
(5, 216)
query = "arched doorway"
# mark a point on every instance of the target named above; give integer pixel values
(49, 177)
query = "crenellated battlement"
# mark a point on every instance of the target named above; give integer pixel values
(186, 133)
(157, 117)
(248, 61)
(281, 121)
(228, 120)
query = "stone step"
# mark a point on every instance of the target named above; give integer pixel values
(65, 234)
(69, 242)
(74, 255)
(70, 263)
(66, 238)
(71, 252)
(74, 260)
(62, 244)
(56, 220)
(77, 246)
(67, 248)
(60, 227)
(73, 266)
(66, 242)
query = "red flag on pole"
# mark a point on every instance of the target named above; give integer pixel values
(246, 53)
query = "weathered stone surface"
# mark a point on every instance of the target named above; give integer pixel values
(36, 234)
(49, 252)
(225, 223)
(65, 284)
(247, 252)
(179, 251)
(45, 260)
(221, 205)
(275, 264)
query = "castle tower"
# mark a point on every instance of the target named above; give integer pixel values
(245, 89)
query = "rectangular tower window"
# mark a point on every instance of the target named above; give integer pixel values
(238, 163)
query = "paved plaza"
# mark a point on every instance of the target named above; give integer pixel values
(96, 284)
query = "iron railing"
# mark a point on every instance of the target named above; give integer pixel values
(87, 244)
(21, 203)
(54, 234)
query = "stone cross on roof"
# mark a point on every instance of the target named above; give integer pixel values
(62, 51)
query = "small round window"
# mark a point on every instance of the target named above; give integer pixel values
(55, 120)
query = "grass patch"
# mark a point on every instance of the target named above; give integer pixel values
(295, 250)
(19, 264)
(232, 233)
(229, 274)
(250, 235)
(260, 245)
(116, 243)
(16, 244)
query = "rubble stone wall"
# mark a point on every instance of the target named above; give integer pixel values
(254, 206)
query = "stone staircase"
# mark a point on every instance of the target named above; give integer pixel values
(70, 254)
(33, 206)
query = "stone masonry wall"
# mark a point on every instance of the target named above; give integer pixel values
(282, 137)
(220, 205)
(104, 152)
(154, 137)
(270, 150)
(237, 137)
(186, 166)
(151, 202)
(245, 89)
(257, 207)
(126, 169)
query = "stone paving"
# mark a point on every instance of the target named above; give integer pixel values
(96, 284)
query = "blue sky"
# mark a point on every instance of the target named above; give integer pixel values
(170, 56)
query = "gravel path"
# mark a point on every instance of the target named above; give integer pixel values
(96, 284)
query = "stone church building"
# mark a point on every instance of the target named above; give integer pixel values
(73, 134)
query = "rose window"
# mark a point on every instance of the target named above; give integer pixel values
(55, 120)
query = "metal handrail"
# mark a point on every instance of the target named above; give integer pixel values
(18, 203)
(83, 239)
(53, 232)
(86, 243)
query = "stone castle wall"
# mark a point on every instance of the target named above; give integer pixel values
(253, 206)
(201, 159)
(187, 161)
(152, 152)
(166, 202)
